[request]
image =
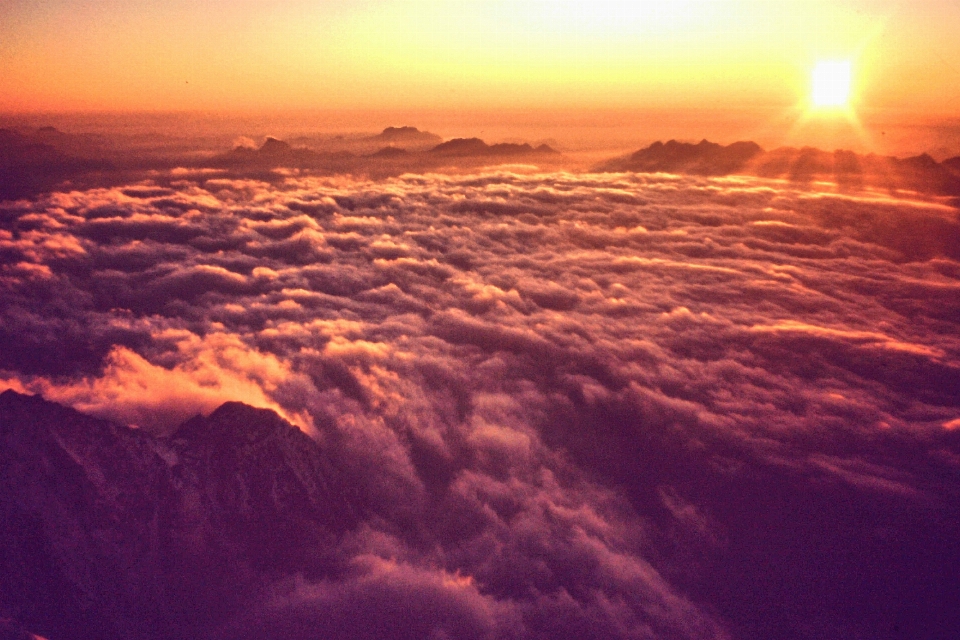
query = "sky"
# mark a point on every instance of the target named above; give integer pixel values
(77, 55)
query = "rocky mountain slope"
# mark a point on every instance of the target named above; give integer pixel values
(108, 532)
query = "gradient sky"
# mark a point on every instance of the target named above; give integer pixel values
(254, 54)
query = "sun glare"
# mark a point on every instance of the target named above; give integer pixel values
(831, 83)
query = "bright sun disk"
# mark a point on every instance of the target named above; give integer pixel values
(831, 83)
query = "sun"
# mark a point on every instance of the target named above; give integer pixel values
(831, 83)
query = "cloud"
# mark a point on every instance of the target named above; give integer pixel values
(205, 373)
(384, 599)
(573, 405)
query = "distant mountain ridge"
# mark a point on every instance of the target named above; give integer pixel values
(406, 136)
(275, 150)
(477, 147)
(38, 161)
(109, 532)
(403, 150)
(845, 168)
(46, 159)
(705, 158)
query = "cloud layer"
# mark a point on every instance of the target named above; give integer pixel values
(584, 405)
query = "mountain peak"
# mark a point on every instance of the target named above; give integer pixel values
(546, 149)
(273, 146)
(234, 422)
(461, 146)
(406, 134)
(705, 157)
(399, 131)
(11, 400)
(477, 147)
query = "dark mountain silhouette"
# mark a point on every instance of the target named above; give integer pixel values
(273, 147)
(390, 159)
(30, 162)
(953, 164)
(406, 137)
(38, 160)
(15, 146)
(546, 149)
(278, 153)
(390, 152)
(845, 168)
(365, 144)
(461, 147)
(705, 158)
(477, 147)
(109, 532)
(66, 144)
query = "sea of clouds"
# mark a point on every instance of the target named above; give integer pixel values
(580, 405)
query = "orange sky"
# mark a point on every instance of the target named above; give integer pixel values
(256, 54)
